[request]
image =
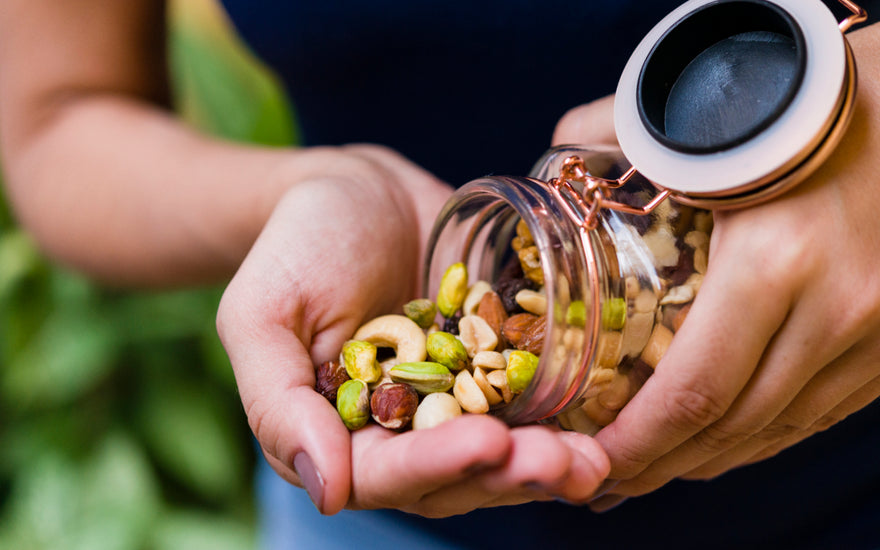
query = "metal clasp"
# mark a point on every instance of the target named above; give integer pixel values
(859, 15)
(596, 193)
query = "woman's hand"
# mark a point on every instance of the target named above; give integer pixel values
(337, 251)
(783, 340)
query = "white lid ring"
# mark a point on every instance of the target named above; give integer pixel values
(724, 98)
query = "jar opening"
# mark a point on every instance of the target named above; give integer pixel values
(477, 227)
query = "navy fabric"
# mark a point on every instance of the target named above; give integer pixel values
(462, 88)
(471, 88)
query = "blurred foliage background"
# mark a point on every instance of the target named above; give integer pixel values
(120, 427)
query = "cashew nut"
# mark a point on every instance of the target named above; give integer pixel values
(398, 332)
(657, 345)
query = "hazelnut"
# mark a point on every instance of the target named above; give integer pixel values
(680, 316)
(393, 405)
(330, 375)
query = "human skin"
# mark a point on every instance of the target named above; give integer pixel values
(783, 340)
(315, 241)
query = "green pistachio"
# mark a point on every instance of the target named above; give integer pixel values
(576, 314)
(425, 376)
(453, 289)
(359, 358)
(421, 312)
(614, 314)
(521, 368)
(446, 349)
(353, 404)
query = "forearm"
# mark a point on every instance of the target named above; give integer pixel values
(118, 188)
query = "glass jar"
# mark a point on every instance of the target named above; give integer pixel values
(617, 283)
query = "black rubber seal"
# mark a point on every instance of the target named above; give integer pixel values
(721, 75)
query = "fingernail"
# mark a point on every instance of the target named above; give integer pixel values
(311, 479)
(607, 503)
(603, 488)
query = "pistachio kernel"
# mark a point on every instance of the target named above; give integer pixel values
(425, 376)
(359, 359)
(576, 314)
(614, 314)
(353, 404)
(421, 311)
(453, 289)
(521, 367)
(446, 349)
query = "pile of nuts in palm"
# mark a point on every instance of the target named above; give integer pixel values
(486, 348)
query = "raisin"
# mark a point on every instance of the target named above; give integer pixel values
(507, 290)
(450, 324)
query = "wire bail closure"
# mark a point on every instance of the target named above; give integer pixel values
(859, 15)
(596, 194)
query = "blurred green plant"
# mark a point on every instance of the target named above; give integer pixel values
(120, 426)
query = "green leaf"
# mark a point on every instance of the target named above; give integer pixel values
(201, 531)
(119, 497)
(150, 316)
(222, 89)
(193, 434)
(106, 502)
(42, 504)
(71, 352)
(216, 360)
(18, 258)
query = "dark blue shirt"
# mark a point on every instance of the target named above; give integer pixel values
(471, 88)
(462, 88)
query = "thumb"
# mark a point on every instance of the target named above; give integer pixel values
(299, 431)
(591, 123)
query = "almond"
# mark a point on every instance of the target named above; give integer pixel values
(491, 309)
(514, 328)
(533, 337)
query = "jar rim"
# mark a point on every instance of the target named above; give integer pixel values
(533, 201)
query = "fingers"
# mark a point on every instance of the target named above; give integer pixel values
(395, 470)
(710, 361)
(846, 385)
(592, 123)
(860, 399)
(791, 361)
(543, 464)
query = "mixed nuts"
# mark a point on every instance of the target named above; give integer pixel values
(485, 347)
(434, 374)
